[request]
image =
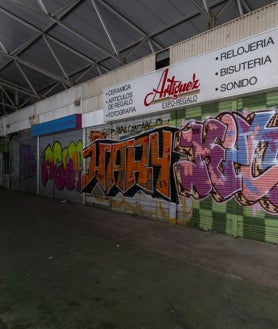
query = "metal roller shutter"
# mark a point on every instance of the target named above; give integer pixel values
(24, 162)
(61, 166)
(227, 180)
(129, 167)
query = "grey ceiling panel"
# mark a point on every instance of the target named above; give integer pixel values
(27, 10)
(54, 6)
(39, 54)
(12, 74)
(13, 33)
(76, 42)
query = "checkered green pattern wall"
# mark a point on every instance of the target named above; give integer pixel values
(230, 217)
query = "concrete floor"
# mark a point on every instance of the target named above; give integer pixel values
(68, 266)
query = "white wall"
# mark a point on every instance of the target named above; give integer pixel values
(54, 107)
(92, 119)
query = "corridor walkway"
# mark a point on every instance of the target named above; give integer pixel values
(69, 266)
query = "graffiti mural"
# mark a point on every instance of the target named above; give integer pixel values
(27, 162)
(96, 134)
(63, 165)
(231, 155)
(139, 163)
(127, 130)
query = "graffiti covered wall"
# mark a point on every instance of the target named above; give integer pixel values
(61, 164)
(232, 146)
(212, 167)
(128, 167)
(230, 156)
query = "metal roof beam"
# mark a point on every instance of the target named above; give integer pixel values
(62, 12)
(34, 67)
(122, 17)
(125, 20)
(58, 22)
(56, 59)
(18, 19)
(87, 40)
(240, 7)
(134, 47)
(41, 4)
(24, 46)
(29, 42)
(164, 29)
(8, 96)
(104, 27)
(205, 13)
(85, 72)
(77, 53)
(91, 61)
(246, 6)
(26, 78)
(206, 6)
(14, 87)
(3, 47)
(184, 19)
(151, 45)
(226, 4)
(88, 68)
(27, 4)
(26, 101)
(8, 105)
(51, 88)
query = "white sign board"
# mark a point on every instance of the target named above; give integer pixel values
(244, 67)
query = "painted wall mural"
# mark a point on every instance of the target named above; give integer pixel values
(130, 129)
(63, 165)
(229, 156)
(142, 162)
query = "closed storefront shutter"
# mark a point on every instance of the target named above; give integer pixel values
(129, 167)
(96, 148)
(23, 162)
(227, 171)
(202, 184)
(61, 166)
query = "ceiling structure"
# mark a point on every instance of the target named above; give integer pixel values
(47, 46)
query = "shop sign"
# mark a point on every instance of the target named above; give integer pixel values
(69, 122)
(242, 68)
